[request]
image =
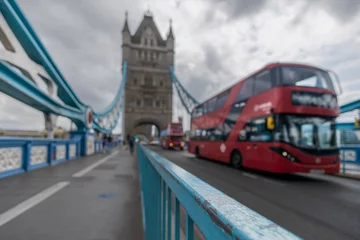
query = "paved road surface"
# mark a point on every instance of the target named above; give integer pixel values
(311, 206)
(74, 202)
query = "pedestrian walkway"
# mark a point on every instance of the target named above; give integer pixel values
(92, 198)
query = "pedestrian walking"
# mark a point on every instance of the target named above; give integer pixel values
(131, 144)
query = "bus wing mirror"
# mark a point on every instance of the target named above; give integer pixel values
(270, 124)
(335, 80)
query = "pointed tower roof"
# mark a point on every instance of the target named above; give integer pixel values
(148, 22)
(170, 34)
(126, 25)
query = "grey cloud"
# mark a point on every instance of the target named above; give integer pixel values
(342, 10)
(241, 8)
(213, 59)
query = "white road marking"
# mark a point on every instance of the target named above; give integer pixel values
(274, 182)
(250, 175)
(31, 202)
(187, 154)
(92, 166)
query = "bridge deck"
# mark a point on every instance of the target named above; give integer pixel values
(80, 199)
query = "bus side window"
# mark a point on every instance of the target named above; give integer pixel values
(245, 133)
(204, 135)
(221, 99)
(259, 131)
(246, 90)
(262, 82)
(197, 134)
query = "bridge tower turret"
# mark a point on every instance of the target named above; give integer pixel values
(126, 38)
(170, 42)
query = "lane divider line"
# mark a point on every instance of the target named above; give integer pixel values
(31, 202)
(92, 166)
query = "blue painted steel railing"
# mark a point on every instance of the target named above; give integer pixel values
(18, 155)
(165, 186)
(350, 160)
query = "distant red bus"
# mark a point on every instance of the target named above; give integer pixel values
(280, 119)
(172, 136)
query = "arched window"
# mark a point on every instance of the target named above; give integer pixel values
(161, 83)
(135, 81)
(145, 42)
(151, 42)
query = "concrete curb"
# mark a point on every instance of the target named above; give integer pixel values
(354, 177)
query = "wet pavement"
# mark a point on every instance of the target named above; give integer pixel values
(93, 198)
(310, 206)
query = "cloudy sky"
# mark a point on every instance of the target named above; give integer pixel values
(217, 43)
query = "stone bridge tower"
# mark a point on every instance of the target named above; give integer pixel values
(148, 90)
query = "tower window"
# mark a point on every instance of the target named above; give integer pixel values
(148, 81)
(161, 83)
(148, 102)
(138, 102)
(135, 81)
(145, 41)
(151, 42)
(157, 103)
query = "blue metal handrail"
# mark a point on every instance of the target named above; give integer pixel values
(216, 215)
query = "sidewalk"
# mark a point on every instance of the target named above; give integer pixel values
(100, 199)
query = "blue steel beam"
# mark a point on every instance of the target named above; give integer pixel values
(348, 107)
(343, 126)
(187, 100)
(36, 51)
(21, 88)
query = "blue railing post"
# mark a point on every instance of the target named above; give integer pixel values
(177, 218)
(163, 209)
(169, 213)
(26, 156)
(189, 228)
(67, 149)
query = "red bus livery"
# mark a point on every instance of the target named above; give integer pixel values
(280, 119)
(172, 136)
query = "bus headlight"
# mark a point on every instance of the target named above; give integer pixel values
(285, 154)
(182, 144)
(171, 144)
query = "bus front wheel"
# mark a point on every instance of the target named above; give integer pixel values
(236, 159)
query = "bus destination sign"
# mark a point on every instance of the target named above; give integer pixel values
(323, 100)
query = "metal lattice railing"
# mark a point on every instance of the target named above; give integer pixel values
(187, 100)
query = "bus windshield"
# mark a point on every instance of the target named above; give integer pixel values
(176, 138)
(176, 126)
(306, 77)
(309, 132)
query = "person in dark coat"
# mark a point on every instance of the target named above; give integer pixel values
(131, 144)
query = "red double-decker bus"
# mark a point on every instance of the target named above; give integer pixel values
(172, 136)
(280, 119)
